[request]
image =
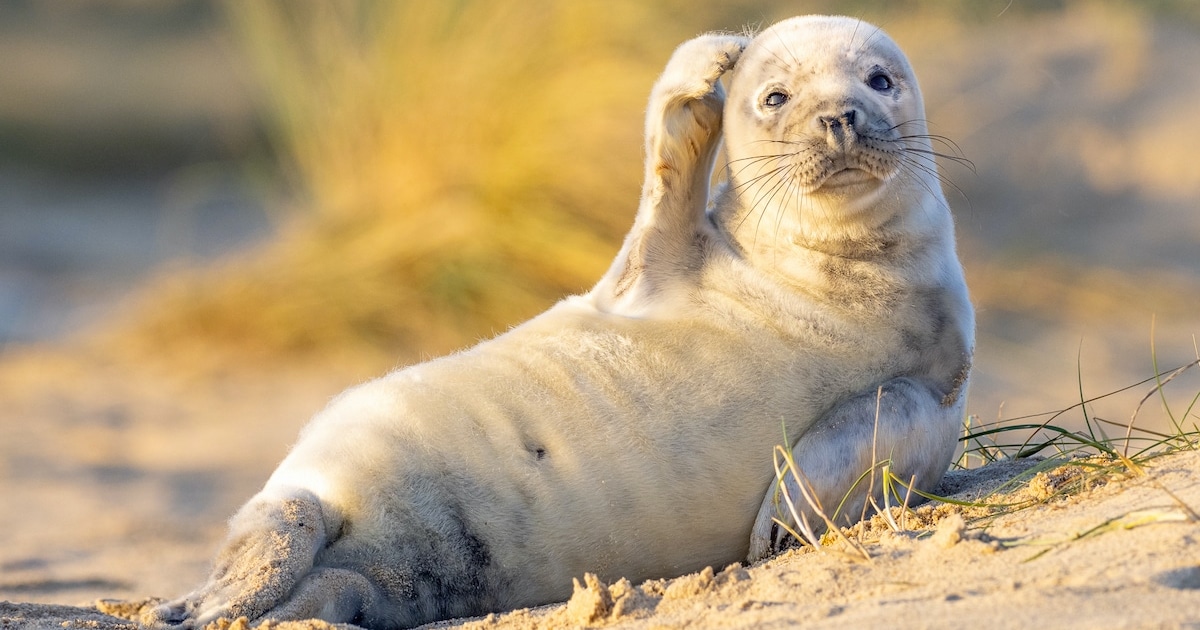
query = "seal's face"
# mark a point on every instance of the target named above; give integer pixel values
(823, 107)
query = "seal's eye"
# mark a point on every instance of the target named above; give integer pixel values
(880, 82)
(775, 99)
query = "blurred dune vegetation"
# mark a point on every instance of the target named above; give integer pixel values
(462, 165)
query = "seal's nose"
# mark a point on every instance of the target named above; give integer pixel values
(846, 119)
(840, 131)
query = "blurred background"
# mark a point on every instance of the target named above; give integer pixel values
(215, 215)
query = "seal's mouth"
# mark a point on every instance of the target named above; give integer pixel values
(809, 166)
(867, 165)
(847, 177)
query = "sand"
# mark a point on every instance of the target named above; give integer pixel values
(117, 481)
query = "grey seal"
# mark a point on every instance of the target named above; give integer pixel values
(628, 432)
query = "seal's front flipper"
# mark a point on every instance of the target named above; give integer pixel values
(683, 124)
(905, 423)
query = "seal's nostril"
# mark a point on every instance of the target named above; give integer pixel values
(846, 119)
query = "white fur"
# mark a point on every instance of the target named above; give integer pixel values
(627, 432)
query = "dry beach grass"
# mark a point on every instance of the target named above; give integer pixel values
(461, 171)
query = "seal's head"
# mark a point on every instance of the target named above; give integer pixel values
(824, 118)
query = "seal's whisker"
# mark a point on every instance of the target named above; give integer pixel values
(760, 182)
(927, 161)
(951, 145)
(742, 221)
(914, 172)
(933, 137)
(924, 163)
(947, 142)
(803, 208)
(784, 207)
(925, 155)
(957, 159)
(788, 142)
(865, 42)
(763, 168)
(788, 49)
(941, 140)
(931, 169)
(780, 183)
(914, 121)
(764, 156)
(783, 63)
(781, 208)
(911, 121)
(754, 161)
(955, 152)
(768, 183)
(756, 157)
(762, 163)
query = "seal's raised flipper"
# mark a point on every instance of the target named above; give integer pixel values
(905, 423)
(683, 124)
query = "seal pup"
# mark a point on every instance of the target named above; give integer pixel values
(628, 431)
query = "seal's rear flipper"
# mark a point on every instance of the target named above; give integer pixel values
(271, 545)
(334, 595)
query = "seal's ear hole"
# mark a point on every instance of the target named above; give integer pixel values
(775, 98)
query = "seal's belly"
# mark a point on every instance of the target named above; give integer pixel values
(582, 449)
